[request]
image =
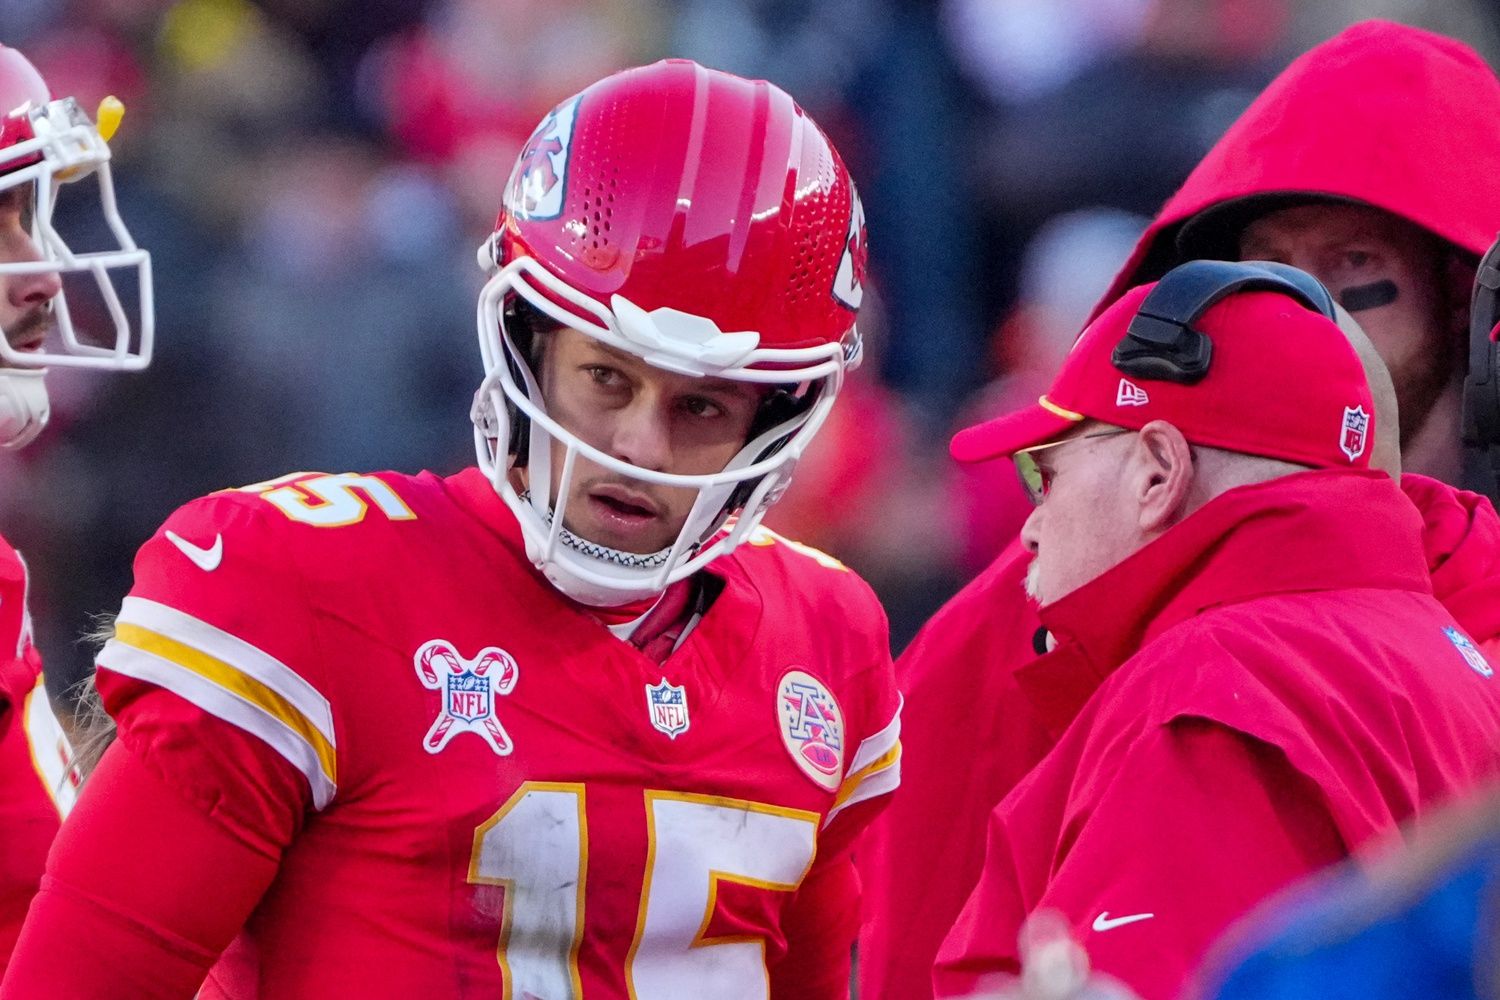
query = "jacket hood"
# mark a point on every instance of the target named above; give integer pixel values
(1461, 538)
(1381, 114)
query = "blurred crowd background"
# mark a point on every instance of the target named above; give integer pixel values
(312, 178)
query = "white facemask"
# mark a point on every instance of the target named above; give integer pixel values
(673, 341)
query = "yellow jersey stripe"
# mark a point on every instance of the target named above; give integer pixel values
(248, 659)
(235, 681)
(878, 744)
(852, 783)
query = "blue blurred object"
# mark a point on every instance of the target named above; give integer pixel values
(1428, 932)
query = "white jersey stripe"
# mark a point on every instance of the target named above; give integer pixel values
(236, 652)
(877, 783)
(877, 745)
(223, 704)
(875, 769)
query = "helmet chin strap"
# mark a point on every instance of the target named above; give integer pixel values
(24, 407)
(581, 590)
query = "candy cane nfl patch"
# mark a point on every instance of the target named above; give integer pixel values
(468, 688)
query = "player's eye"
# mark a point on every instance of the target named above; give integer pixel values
(701, 406)
(604, 376)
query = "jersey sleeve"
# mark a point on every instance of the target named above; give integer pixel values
(136, 900)
(214, 648)
(874, 720)
(1159, 866)
(821, 920)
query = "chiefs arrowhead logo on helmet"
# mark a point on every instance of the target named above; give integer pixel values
(849, 279)
(536, 190)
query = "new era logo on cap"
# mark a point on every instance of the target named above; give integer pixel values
(1130, 394)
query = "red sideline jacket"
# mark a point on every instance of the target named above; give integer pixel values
(972, 734)
(1260, 692)
(29, 817)
(1382, 113)
(975, 737)
(1461, 536)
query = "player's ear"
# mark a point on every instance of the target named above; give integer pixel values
(1160, 476)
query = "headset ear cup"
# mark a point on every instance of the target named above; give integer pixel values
(1161, 342)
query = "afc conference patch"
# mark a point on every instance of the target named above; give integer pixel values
(468, 689)
(668, 707)
(1470, 652)
(812, 727)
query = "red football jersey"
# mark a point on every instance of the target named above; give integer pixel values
(37, 783)
(473, 787)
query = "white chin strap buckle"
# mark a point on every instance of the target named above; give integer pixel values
(24, 407)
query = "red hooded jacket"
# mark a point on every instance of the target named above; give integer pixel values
(1385, 114)
(1264, 689)
(1461, 536)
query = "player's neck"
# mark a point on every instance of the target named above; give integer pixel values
(655, 625)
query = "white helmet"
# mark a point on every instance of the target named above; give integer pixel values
(45, 144)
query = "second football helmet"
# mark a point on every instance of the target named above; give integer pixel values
(45, 144)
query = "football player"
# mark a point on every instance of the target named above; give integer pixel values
(43, 144)
(568, 723)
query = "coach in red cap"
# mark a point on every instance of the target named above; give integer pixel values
(1251, 678)
(1370, 162)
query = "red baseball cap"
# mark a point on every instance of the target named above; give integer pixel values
(1284, 383)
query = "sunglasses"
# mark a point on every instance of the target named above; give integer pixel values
(1037, 480)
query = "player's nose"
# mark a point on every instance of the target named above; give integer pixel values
(27, 290)
(642, 435)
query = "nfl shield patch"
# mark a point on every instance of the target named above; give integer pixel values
(812, 727)
(668, 707)
(1470, 652)
(1355, 433)
(468, 690)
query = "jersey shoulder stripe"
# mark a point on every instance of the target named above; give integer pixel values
(232, 680)
(874, 771)
(51, 755)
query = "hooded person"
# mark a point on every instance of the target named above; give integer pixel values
(1383, 120)
(1370, 163)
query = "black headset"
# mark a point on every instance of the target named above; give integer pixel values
(1161, 343)
(1482, 383)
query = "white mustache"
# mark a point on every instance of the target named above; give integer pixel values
(1033, 581)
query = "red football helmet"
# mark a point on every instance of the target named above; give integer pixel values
(703, 223)
(43, 145)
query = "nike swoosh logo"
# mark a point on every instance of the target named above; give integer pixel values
(1104, 922)
(205, 559)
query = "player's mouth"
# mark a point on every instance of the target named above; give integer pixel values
(621, 508)
(30, 332)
